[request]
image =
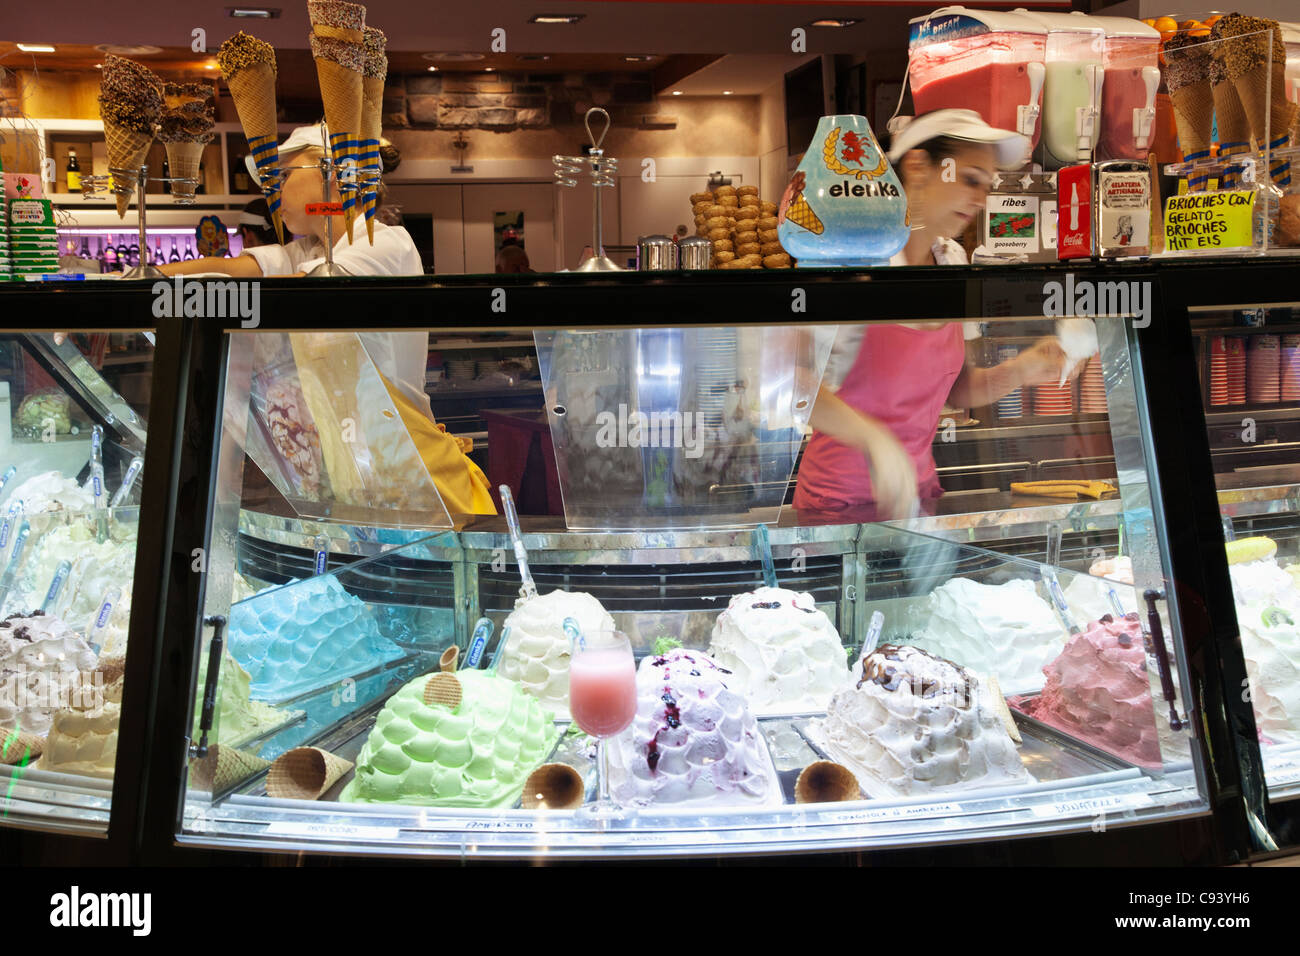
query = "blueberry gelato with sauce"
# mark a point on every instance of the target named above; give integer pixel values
(693, 741)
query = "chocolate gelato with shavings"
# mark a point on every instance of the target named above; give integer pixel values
(376, 63)
(1246, 42)
(242, 51)
(1187, 61)
(192, 120)
(335, 13)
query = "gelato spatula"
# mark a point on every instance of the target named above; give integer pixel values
(10, 523)
(529, 589)
(98, 629)
(478, 641)
(869, 642)
(320, 546)
(763, 545)
(15, 561)
(132, 473)
(574, 633)
(97, 483)
(8, 477)
(1053, 588)
(56, 585)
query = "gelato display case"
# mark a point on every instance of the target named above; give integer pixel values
(72, 450)
(1033, 661)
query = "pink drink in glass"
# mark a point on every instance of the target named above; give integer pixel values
(602, 690)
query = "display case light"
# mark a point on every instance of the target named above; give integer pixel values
(253, 13)
(560, 18)
(36, 48)
(835, 22)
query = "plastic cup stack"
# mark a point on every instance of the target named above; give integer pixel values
(1011, 405)
(1092, 390)
(1218, 370)
(1054, 399)
(1290, 368)
(1264, 369)
(1235, 347)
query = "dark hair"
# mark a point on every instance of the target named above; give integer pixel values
(265, 235)
(390, 157)
(943, 147)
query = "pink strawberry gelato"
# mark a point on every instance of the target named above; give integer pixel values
(1098, 691)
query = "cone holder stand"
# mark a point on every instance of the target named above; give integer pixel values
(601, 169)
(329, 175)
(1251, 171)
(119, 182)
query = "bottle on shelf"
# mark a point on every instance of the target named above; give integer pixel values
(133, 253)
(166, 174)
(189, 249)
(175, 256)
(85, 247)
(73, 171)
(122, 252)
(242, 183)
(110, 256)
(158, 257)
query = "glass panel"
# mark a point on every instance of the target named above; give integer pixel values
(778, 675)
(71, 452)
(1249, 363)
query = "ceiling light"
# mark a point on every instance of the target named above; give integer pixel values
(452, 57)
(122, 49)
(253, 13)
(209, 66)
(638, 59)
(433, 69)
(99, 66)
(35, 48)
(677, 92)
(533, 57)
(489, 69)
(556, 17)
(726, 92)
(836, 22)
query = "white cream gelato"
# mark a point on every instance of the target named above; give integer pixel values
(693, 740)
(1002, 629)
(83, 741)
(49, 491)
(97, 567)
(1263, 582)
(43, 663)
(784, 654)
(535, 649)
(915, 724)
(1270, 642)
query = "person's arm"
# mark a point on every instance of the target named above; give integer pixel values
(1038, 365)
(243, 267)
(893, 474)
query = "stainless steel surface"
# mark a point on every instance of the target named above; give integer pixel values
(695, 252)
(655, 254)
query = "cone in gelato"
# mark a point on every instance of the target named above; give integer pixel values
(248, 65)
(130, 104)
(339, 66)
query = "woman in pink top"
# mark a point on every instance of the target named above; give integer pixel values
(873, 433)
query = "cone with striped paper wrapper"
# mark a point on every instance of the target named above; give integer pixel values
(338, 67)
(1254, 57)
(1230, 118)
(1187, 76)
(248, 65)
(373, 78)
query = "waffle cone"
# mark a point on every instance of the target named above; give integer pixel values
(553, 786)
(1275, 111)
(336, 33)
(443, 689)
(223, 768)
(340, 90)
(1229, 116)
(801, 214)
(253, 90)
(183, 163)
(1193, 112)
(447, 662)
(999, 703)
(372, 106)
(127, 149)
(826, 782)
(19, 747)
(305, 773)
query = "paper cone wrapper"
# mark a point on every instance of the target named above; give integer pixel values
(1264, 106)
(183, 162)
(553, 786)
(223, 768)
(372, 106)
(1193, 114)
(340, 90)
(447, 662)
(127, 149)
(19, 746)
(826, 782)
(305, 773)
(253, 90)
(801, 214)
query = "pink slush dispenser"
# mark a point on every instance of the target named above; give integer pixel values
(1131, 58)
(1072, 90)
(986, 61)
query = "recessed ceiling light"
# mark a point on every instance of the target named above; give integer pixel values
(835, 22)
(35, 48)
(556, 17)
(452, 57)
(99, 66)
(677, 92)
(489, 69)
(209, 66)
(638, 59)
(253, 13)
(128, 50)
(533, 57)
(433, 69)
(726, 92)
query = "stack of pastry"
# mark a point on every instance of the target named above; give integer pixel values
(742, 228)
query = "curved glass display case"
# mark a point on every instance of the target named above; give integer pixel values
(72, 449)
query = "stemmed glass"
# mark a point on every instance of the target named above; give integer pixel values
(602, 699)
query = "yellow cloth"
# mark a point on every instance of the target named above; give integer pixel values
(462, 484)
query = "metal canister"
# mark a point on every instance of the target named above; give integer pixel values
(695, 252)
(655, 254)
